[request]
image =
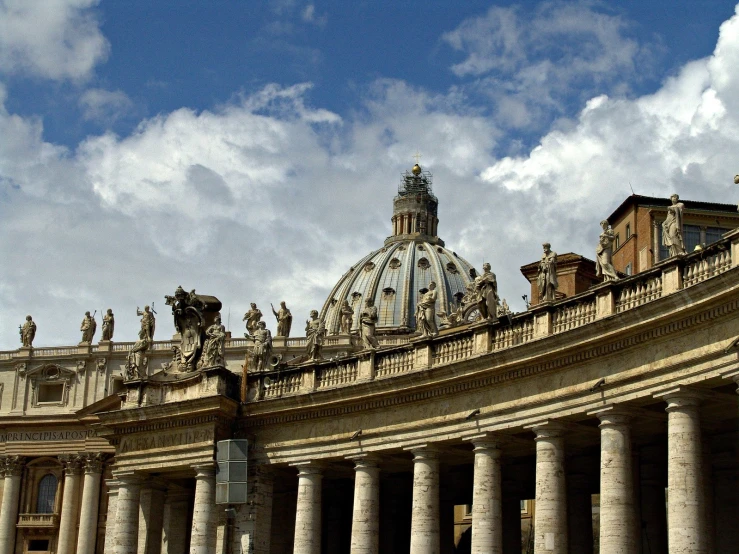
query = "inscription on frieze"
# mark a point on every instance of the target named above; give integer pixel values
(165, 440)
(46, 436)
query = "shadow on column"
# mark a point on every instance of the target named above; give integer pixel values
(396, 500)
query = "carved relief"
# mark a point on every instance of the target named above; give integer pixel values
(50, 385)
(101, 364)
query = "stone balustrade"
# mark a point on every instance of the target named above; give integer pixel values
(38, 521)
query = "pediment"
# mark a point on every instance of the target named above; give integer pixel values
(51, 372)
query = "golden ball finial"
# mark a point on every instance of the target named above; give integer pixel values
(736, 179)
(416, 169)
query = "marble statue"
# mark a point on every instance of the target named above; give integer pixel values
(88, 327)
(604, 252)
(284, 320)
(347, 316)
(486, 288)
(504, 309)
(136, 361)
(214, 347)
(197, 319)
(453, 318)
(368, 320)
(672, 227)
(148, 322)
(262, 346)
(27, 332)
(546, 280)
(252, 318)
(108, 325)
(426, 312)
(315, 331)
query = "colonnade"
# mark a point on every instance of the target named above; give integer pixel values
(687, 511)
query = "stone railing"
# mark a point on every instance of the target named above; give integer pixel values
(452, 350)
(706, 266)
(340, 374)
(645, 289)
(47, 521)
(280, 385)
(520, 332)
(394, 362)
(393, 340)
(566, 317)
(55, 351)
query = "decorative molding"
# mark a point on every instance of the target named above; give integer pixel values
(101, 364)
(616, 346)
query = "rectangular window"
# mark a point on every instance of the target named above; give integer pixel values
(618, 241)
(50, 392)
(628, 231)
(38, 545)
(713, 234)
(629, 270)
(691, 237)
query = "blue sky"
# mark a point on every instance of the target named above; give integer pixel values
(251, 150)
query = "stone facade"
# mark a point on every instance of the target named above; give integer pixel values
(626, 390)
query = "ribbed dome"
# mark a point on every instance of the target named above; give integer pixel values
(394, 276)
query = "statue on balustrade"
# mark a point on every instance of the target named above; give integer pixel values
(197, 319)
(368, 319)
(284, 320)
(347, 316)
(214, 348)
(136, 361)
(148, 322)
(546, 279)
(315, 332)
(262, 351)
(88, 327)
(252, 318)
(504, 309)
(672, 227)
(486, 288)
(604, 253)
(426, 312)
(27, 332)
(108, 325)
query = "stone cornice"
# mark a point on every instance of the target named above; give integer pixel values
(609, 336)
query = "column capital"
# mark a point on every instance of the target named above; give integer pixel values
(203, 471)
(72, 464)
(612, 415)
(423, 452)
(365, 461)
(13, 465)
(548, 429)
(486, 441)
(681, 397)
(112, 486)
(309, 468)
(128, 478)
(93, 462)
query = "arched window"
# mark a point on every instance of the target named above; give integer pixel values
(46, 495)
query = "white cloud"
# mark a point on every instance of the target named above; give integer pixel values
(58, 39)
(532, 64)
(268, 198)
(105, 106)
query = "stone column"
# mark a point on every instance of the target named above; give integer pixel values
(112, 486)
(204, 516)
(617, 515)
(686, 526)
(487, 518)
(127, 513)
(13, 467)
(90, 505)
(366, 511)
(550, 517)
(151, 517)
(425, 510)
(308, 510)
(70, 504)
(174, 520)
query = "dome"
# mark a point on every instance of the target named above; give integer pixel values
(396, 275)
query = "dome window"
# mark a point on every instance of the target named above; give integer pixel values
(401, 248)
(421, 248)
(458, 297)
(394, 263)
(440, 250)
(451, 268)
(356, 296)
(423, 263)
(473, 273)
(387, 292)
(369, 266)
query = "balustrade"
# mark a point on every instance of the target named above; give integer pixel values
(48, 521)
(569, 317)
(337, 375)
(518, 333)
(701, 269)
(640, 292)
(392, 363)
(283, 384)
(456, 349)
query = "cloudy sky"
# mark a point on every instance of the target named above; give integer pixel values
(251, 149)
